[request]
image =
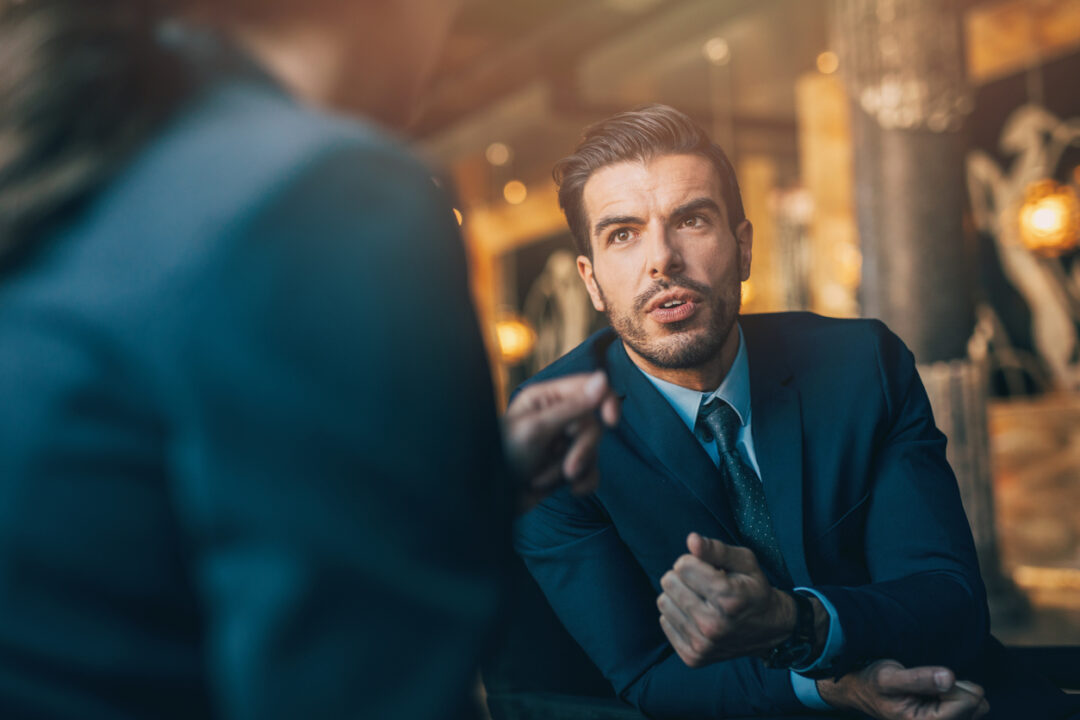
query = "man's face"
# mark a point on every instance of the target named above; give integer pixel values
(666, 267)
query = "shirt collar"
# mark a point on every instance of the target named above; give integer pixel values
(734, 390)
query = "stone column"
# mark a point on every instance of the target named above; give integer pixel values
(917, 257)
(917, 261)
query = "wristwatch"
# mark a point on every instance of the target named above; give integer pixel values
(797, 650)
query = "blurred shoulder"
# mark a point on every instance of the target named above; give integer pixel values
(238, 141)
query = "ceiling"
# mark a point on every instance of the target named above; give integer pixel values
(532, 73)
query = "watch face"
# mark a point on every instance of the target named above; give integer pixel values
(801, 654)
(791, 654)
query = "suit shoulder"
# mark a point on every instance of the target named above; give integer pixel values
(817, 342)
(806, 330)
(228, 157)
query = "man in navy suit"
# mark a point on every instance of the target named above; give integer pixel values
(795, 457)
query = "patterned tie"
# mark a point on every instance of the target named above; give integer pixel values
(745, 491)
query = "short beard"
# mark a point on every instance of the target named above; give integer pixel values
(683, 351)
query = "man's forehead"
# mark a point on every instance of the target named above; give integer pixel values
(661, 182)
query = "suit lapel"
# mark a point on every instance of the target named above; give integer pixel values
(776, 423)
(652, 424)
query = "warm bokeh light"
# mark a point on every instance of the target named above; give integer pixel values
(458, 216)
(498, 153)
(717, 51)
(515, 192)
(516, 339)
(1050, 218)
(1051, 578)
(827, 62)
(848, 265)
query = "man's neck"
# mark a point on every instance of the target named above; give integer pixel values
(703, 378)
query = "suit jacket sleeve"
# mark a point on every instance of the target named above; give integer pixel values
(926, 603)
(606, 602)
(335, 455)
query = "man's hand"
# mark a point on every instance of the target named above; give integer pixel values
(551, 431)
(717, 604)
(888, 691)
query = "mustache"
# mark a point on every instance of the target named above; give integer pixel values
(676, 281)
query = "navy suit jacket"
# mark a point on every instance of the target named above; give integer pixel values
(865, 506)
(249, 459)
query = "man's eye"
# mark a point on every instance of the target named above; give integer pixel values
(620, 235)
(692, 221)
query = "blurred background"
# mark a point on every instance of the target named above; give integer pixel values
(916, 161)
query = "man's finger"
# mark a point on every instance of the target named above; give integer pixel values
(707, 581)
(610, 410)
(709, 620)
(552, 404)
(894, 679)
(958, 704)
(720, 555)
(583, 449)
(682, 647)
(680, 621)
(585, 484)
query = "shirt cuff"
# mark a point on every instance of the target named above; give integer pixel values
(807, 693)
(834, 641)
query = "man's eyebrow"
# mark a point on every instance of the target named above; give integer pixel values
(702, 203)
(616, 220)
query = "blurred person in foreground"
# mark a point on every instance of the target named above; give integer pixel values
(249, 460)
(777, 530)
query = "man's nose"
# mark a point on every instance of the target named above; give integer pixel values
(664, 257)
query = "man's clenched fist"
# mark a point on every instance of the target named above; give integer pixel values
(717, 604)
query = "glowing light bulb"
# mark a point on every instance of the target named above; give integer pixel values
(516, 339)
(717, 51)
(1049, 219)
(515, 192)
(498, 153)
(827, 62)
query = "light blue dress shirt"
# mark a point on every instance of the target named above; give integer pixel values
(735, 391)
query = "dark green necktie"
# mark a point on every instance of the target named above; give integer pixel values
(745, 492)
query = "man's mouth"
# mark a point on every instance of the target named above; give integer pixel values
(672, 306)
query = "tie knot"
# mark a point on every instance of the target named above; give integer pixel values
(722, 421)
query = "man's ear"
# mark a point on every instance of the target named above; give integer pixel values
(585, 270)
(744, 239)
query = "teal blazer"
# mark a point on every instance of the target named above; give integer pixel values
(249, 460)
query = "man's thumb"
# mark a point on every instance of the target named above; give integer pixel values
(721, 555)
(707, 549)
